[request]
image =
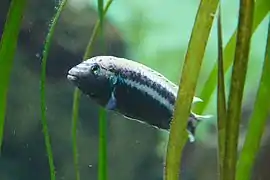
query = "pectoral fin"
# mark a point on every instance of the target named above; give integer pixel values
(111, 105)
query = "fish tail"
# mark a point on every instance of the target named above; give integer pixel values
(193, 122)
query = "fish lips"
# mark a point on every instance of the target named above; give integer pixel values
(72, 76)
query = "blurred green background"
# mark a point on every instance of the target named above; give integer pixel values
(155, 33)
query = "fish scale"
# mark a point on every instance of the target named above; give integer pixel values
(131, 89)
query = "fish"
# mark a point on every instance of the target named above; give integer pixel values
(131, 89)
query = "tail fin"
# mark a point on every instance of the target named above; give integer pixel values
(194, 120)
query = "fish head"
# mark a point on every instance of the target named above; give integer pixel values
(93, 79)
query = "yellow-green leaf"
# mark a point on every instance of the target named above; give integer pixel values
(234, 111)
(257, 122)
(221, 100)
(193, 61)
(260, 12)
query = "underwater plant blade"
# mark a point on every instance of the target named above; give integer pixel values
(257, 122)
(102, 150)
(8, 46)
(178, 133)
(238, 78)
(75, 113)
(100, 12)
(221, 100)
(44, 122)
(102, 158)
(260, 12)
(95, 33)
(77, 94)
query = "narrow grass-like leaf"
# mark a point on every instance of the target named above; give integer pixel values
(190, 73)
(42, 88)
(102, 158)
(258, 121)
(244, 33)
(102, 152)
(221, 100)
(95, 33)
(8, 46)
(75, 114)
(100, 12)
(77, 93)
(260, 12)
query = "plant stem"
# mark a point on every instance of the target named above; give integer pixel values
(190, 73)
(8, 46)
(237, 87)
(257, 122)
(77, 94)
(102, 160)
(261, 11)
(221, 101)
(42, 88)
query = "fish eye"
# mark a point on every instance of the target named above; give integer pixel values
(95, 69)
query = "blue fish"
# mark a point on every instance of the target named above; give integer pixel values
(131, 89)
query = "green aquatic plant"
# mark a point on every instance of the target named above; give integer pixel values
(76, 93)
(102, 153)
(8, 46)
(221, 100)
(102, 156)
(236, 51)
(228, 119)
(102, 116)
(257, 122)
(42, 88)
(193, 61)
(260, 12)
(234, 111)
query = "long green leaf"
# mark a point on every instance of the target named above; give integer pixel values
(42, 88)
(197, 43)
(75, 114)
(77, 93)
(102, 152)
(244, 33)
(102, 160)
(221, 100)
(260, 12)
(100, 12)
(258, 121)
(7, 51)
(95, 33)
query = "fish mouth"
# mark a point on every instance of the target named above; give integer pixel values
(72, 78)
(72, 75)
